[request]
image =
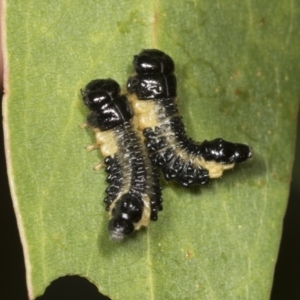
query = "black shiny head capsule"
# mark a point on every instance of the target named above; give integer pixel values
(153, 61)
(154, 78)
(127, 211)
(109, 108)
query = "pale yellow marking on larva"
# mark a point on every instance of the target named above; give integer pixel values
(92, 147)
(113, 204)
(145, 220)
(106, 142)
(99, 166)
(215, 170)
(144, 111)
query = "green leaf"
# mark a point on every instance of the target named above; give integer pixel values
(237, 65)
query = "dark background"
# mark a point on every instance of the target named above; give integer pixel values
(12, 270)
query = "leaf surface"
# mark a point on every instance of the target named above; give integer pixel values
(237, 66)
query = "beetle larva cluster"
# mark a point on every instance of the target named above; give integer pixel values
(142, 132)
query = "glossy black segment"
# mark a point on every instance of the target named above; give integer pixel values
(99, 90)
(184, 173)
(153, 61)
(225, 152)
(154, 78)
(156, 144)
(109, 108)
(114, 178)
(192, 176)
(108, 160)
(112, 190)
(119, 228)
(169, 107)
(129, 207)
(109, 85)
(152, 86)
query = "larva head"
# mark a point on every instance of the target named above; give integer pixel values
(154, 78)
(109, 108)
(127, 211)
(153, 61)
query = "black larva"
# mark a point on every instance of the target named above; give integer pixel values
(152, 92)
(134, 194)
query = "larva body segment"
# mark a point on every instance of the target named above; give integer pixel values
(152, 92)
(133, 194)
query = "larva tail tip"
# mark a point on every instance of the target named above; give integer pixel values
(116, 236)
(250, 155)
(119, 228)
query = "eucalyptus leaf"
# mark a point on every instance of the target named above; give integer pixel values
(237, 66)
